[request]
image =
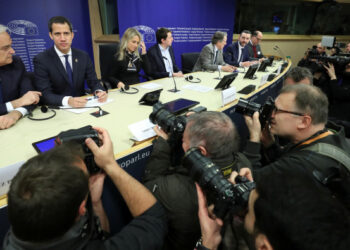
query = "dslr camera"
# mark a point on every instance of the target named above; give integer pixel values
(228, 197)
(246, 107)
(79, 136)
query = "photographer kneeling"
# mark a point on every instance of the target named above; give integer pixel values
(52, 203)
(286, 211)
(215, 136)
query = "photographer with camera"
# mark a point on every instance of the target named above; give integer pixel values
(317, 147)
(52, 203)
(339, 85)
(286, 210)
(215, 136)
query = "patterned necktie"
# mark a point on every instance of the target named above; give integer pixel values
(70, 74)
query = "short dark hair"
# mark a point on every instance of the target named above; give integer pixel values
(162, 33)
(299, 73)
(218, 37)
(295, 212)
(245, 31)
(61, 20)
(215, 131)
(309, 99)
(45, 195)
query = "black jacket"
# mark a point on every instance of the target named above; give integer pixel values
(177, 192)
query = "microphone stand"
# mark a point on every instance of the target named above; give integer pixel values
(98, 113)
(174, 90)
(218, 78)
(280, 52)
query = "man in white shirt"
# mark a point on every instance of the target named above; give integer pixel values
(61, 71)
(161, 56)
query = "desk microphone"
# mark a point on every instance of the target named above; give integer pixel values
(279, 51)
(218, 78)
(98, 113)
(172, 74)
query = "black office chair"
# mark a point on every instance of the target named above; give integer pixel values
(107, 52)
(188, 61)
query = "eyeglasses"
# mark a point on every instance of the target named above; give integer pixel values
(276, 110)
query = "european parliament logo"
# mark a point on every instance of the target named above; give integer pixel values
(23, 28)
(148, 34)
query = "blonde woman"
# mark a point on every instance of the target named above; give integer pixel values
(128, 62)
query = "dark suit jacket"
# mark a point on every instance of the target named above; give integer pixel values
(14, 82)
(157, 63)
(231, 54)
(251, 52)
(52, 80)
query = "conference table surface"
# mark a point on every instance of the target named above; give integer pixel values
(16, 142)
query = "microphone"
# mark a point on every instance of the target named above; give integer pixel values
(172, 74)
(98, 113)
(218, 78)
(276, 48)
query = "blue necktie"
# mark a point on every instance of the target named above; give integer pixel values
(70, 74)
(1, 100)
(216, 56)
(240, 58)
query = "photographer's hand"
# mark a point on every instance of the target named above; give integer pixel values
(245, 172)
(210, 227)
(96, 187)
(254, 127)
(160, 132)
(331, 71)
(103, 155)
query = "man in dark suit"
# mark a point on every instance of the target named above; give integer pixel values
(236, 54)
(253, 46)
(60, 71)
(161, 56)
(16, 90)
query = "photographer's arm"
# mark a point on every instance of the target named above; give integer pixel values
(137, 197)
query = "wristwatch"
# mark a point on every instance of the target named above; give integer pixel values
(199, 245)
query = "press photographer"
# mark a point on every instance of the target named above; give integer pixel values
(53, 202)
(215, 136)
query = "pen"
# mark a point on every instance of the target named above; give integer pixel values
(92, 98)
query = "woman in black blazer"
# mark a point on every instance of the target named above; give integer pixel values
(128, 62)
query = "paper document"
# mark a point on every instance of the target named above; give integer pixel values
(198, 88)
(6, 175)
(90, 103)
(151, 85)
(142, 130)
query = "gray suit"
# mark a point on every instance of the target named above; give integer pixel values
(205, 60)
(251, 52)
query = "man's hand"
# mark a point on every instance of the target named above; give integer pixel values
(77, 102)
(331, 71)
(254, 127)
(246, 64)
(120, 85)
(160, 132)
(103, 155)
(210, 227)
(31, 97)
(9, 119)
(245, 172)
(178, 74)
(96, 187)
(102, 96)
(228, 68)
(266, 137)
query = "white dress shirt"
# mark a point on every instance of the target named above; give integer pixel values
(168, 63)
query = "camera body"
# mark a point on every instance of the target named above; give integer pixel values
(227, 197)
(79, 136)
(246, 107)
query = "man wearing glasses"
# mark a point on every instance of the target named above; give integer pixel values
(253, 46)
(16, 90)
(299, 117)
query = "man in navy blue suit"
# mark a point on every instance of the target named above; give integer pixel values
(16, 90)
(61, 71)
(161, 56)
(237, 54)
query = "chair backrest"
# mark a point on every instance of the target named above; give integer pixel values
(107, 52)
(188, 61)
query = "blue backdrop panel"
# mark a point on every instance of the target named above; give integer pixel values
(27, 21)
(192, 22)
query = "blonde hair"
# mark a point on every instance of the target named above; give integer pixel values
(127, 36)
